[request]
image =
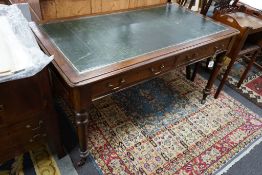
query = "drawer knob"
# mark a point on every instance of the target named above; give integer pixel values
(1, 108)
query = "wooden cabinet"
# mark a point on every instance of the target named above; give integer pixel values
(27, 117)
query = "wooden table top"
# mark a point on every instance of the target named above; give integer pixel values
(90, 43)
(99, 45)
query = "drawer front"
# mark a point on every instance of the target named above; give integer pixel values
(23, 134)
(19, 100)
(127, 79)
(153, 69)
(28, 132)
(202, 52)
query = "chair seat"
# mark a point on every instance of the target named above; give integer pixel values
(249, 48)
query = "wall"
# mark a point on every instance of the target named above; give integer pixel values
(51, 9)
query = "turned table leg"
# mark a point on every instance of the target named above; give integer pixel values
(82, 122)
(213, 76)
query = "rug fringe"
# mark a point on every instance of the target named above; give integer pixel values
(237, 158)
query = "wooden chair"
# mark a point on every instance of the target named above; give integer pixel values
(221, 5)
(258, 14)
(204, 7)
(240, 48)
(250, 10)
(188, 4)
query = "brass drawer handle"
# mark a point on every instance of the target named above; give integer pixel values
(110, 85)
(153, 70)
(36, 128)
(115, 88)
(122, 81)
(36, 136)
(155, 73)
(188, 57)
(216, 48)
(1, 108)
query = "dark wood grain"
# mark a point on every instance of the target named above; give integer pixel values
(27, 116)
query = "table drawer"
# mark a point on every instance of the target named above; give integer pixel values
(201, 53)
(151, 70)
(131, 77)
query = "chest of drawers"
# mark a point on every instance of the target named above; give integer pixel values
(27, 117)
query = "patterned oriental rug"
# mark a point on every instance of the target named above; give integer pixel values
(252, 85)
(160, 127)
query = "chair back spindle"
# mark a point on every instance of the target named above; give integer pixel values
(205, 5)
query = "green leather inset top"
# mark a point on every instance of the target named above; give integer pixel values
(92, 42)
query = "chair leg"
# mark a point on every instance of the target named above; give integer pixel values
(223, 81)
(197, 66)
(188, 72)
(251, 62)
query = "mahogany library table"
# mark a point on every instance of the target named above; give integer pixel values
(98, 55)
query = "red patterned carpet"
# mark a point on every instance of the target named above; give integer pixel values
(252, 85)
(256, 85)
(160, 127)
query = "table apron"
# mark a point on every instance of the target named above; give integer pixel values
(148, 71)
